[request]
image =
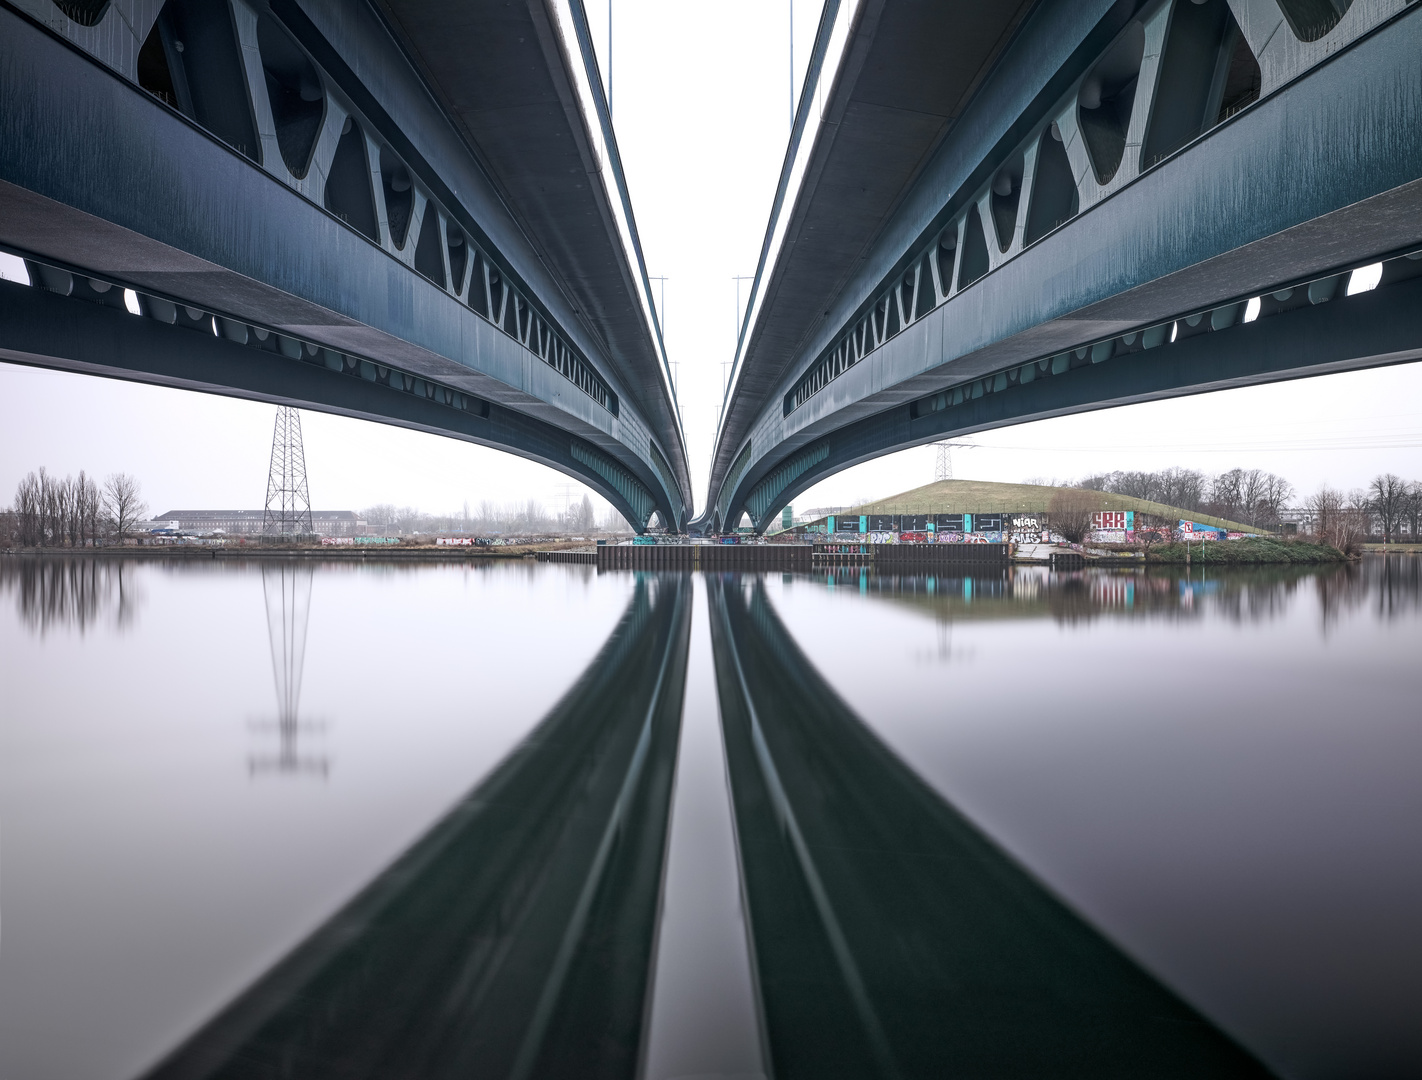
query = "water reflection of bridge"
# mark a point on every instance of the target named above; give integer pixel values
(887, 937)
(515, 938)
(892, 938)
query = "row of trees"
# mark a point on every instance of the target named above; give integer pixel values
(1251, 496)
(71, 511)
(1389, 506)
(1341, 519)
(1396, 506)
(511, 519)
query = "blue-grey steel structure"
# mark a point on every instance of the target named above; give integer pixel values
(997, 213)
(379, 208)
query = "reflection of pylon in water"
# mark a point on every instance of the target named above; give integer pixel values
(288, 598)
(288, 500)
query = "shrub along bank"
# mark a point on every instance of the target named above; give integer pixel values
(1257, 549)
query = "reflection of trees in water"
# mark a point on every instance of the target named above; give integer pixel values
(1339, 592)
(1397, 582)
(54, 592)
(1253, 596)
(1261, 596)
(1391, 586)
(286, 587)
(1071, 599)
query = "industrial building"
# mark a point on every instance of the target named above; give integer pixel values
(250, 522)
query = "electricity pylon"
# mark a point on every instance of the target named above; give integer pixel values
(943, 467)
(288, 500)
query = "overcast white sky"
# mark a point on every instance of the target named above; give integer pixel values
(702, 112)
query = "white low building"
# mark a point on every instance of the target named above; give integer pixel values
(250, 522)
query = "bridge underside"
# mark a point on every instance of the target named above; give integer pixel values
(275, 175)
(45, 329)
(1016, 280)
(1369, 329)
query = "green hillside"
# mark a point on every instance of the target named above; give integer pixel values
(984, 497)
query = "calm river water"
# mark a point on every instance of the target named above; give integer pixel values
(284, 819)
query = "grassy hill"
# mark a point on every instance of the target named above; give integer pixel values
(984, 497)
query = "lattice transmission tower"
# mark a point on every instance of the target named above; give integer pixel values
(288, 500)
(943, 467)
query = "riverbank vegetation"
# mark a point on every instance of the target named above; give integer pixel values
(991, 497)
(1252, 550)
(527, 518)
(72, 511)
(1251, 496)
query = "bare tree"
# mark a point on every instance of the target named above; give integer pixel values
(1387, 499)
(1140, 485)
(1227, 493)
(1184, 488)
(487, 516)
(1153, 530)
(1336, 521)
(1274, 494)
(1324, 506)
(1253, 483)
(614, 522)
(61, 509)
(1069, 513)
(1359, 507)
(381, 516)
(98, 520)
(579, 518)
(87, 508)
(42, 505)
(1412, 510)
(52, 507)
(1251, 495)
(29, 503)
(50, 512)
(66, 499)
(532, 517)
(123, 502)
